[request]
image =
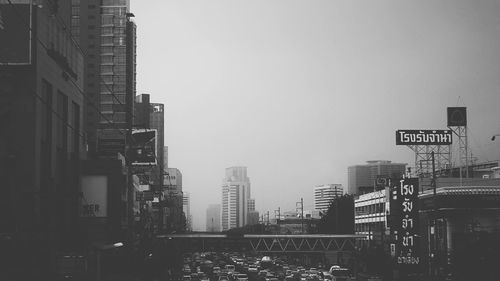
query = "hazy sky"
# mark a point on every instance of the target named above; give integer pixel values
(297, 91)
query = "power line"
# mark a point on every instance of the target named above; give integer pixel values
(73, 82)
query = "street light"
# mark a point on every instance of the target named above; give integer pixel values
(493, 137)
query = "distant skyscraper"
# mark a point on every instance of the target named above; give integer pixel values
(213, 218)
(361, 178)
(324, 194)
(186, 208)
(165, 158)
(235, 198)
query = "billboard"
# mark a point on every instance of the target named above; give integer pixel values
(457, 116)
(15, 33)
(95, 196)
(142, 149)
(404, 224)
(423, 137)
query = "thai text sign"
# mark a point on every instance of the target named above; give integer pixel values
(423, 137)
(404, 213)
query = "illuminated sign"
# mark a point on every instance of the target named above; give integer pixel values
(423, 137)
(404, 223)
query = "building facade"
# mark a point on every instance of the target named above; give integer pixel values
(186, 208)
(362, 178)
(213, 223)
(236, 198)
(42, 139)
(370, 217)
(324, 194)
(107, 36)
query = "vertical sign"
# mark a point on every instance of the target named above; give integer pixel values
(404, 213)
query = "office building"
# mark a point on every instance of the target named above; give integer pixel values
(370, 217)
(213, 218)
(186, 208)
(324, 194)
(149, 116)
(362, 178)
(235, 198)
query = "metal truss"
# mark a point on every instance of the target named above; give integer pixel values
(302, 244)
(463, 154)
(423, 159)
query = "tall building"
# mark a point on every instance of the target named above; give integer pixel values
(324, 194)
(149, 116)
(107, 36)
(172, 191)
(213, 218)
(42, 139)
(361, 178)
(236, 198)
(186, 208)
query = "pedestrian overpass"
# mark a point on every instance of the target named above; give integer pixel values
(263, 243)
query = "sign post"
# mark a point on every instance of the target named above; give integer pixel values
(405, 225)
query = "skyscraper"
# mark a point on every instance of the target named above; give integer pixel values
(213, 218)
(235, 198)
(361, 178)
(107, 36)
(324, 194)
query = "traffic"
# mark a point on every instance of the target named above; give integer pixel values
(212, 266)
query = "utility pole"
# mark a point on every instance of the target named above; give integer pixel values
(301, 213)
(277, 218)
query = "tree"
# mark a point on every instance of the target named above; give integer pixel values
(339, 217)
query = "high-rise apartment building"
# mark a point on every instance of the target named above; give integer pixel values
(213, 218)
(186, 208)
(107, 36)
(324, 194)
(361, 178)
(236, 198)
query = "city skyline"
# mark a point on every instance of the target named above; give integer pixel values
(298, 92)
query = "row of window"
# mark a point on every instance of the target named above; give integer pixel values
(370, 209)
(369, 227)
(67, 119)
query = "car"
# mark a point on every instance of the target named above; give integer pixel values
(241, 277)
(230, 268)
(340, 274)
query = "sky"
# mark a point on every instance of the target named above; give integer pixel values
(297, 91)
